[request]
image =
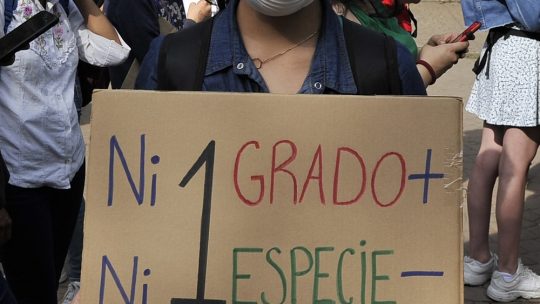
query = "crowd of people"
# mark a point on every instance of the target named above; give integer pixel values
(322, 46)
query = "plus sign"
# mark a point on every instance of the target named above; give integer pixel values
(427, 176)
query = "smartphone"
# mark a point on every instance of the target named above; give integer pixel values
(469, 31)
(22, 35)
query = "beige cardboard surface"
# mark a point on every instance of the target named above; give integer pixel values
(314, 199)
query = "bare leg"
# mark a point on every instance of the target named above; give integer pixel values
(480, 191)
(519, 148)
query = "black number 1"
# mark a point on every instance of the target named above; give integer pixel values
(206, 157)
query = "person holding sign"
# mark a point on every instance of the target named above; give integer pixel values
(505, 95)
(41, 139)
(282, 46)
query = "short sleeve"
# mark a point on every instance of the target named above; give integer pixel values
(93, 48)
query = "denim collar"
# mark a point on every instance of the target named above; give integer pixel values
(330, 69)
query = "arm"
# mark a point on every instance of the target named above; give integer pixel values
(200, 11)
(93, 48)
(411, 82)
(441, 55)
(139, 34)
(96, 21)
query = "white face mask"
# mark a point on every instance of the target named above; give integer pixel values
(277, 8)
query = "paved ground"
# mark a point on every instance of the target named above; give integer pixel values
(438, 16)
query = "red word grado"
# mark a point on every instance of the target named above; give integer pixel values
(314, 174)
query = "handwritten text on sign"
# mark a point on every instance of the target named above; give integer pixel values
(279, 221)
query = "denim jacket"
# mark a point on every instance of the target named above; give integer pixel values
(495, 13)
(230, 68)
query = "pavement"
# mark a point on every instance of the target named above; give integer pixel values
(440, 16)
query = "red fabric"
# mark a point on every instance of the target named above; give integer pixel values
(404, 19)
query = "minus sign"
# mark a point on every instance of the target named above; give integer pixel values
(422, 274)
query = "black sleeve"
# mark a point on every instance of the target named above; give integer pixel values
(188, 23)
(136, 21)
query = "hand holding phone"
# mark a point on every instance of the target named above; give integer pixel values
(464, 36)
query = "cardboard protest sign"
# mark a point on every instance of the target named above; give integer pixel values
(250, 198)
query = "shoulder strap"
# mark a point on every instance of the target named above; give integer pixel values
(373, 74)
(182, 58)
(9, 7)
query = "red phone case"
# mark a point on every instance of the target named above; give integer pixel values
(470, 30)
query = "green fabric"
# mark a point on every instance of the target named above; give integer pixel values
(388, 26)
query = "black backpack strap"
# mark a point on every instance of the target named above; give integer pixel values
(373, 74)
(182, 58)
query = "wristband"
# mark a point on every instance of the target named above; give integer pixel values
(429, 68)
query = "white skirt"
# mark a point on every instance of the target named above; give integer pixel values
(509, 96)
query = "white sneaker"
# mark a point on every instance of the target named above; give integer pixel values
(476, 273)
(72, 290)
(524, 283)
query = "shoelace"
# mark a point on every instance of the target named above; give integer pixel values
(527, 272)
